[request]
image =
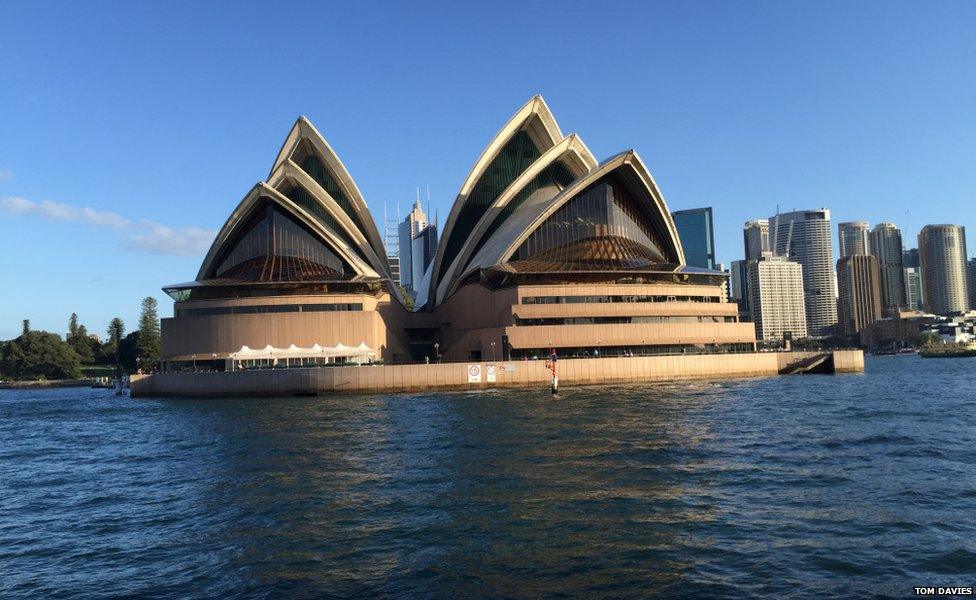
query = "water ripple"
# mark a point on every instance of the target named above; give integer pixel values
(804, 487)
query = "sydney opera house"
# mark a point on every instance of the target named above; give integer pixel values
(545, 247)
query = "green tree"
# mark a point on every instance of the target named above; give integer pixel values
(128, 351)
(79, 341)
(26, 327)
(148, 340)
(39, 354)
(116, 331)
(83, 345)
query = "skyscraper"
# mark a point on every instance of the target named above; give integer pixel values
(859, 299)
(739, 287)
(972, 283)
(804, 236)
(886, 246)
(942, 254)
(411, 225)
(697, 236)
(776, 297)
(755, 237)
(909, 258)
(913, 288)
(422, 249)
(853, 238)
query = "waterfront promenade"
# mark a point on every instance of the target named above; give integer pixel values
(472, 375)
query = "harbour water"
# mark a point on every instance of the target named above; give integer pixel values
(804, 486)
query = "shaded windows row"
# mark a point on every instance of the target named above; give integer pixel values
(616, 299)
(268, 308)
(618, 320)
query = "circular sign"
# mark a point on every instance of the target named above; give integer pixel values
(474, 370)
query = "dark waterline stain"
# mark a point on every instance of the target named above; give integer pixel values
(808, 487)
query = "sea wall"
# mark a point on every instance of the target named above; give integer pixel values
(420, 377)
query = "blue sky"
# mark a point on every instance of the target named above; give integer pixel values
(128, 131)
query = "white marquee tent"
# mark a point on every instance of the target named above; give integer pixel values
(316, 353)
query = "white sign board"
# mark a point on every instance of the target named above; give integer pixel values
(490, 373)
(474, 373)
(507, 368)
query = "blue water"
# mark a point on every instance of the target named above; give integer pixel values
(803, 486)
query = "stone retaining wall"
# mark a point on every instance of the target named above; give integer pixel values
(412, 378)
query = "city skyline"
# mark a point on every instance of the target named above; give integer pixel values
(139, 191)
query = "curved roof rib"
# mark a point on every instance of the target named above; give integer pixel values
(570, 157)
(321, 206)
(506, 241)
(530, 132)
(306, 148)
(244, 210)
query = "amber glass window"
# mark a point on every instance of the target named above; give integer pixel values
(274, 246)
(307, 202)
(514, 158)
(602, 227)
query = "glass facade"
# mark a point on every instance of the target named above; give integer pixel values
(318, 171)
(274, 246)
(309, 204)
(603, 228)
(514, 158)
(555, 177)
(697, 236)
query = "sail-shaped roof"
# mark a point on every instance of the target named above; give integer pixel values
(307, 149)
(268, 228)
(541, 181)
(622, 222)
(529, 133)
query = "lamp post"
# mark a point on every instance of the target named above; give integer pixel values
(643, 347)
(493, 352)
(598, 342)
(437, 352)
(194, 357)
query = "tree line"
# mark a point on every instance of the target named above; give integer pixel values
(41, 354)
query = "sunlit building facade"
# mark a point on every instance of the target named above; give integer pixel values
(545, 247)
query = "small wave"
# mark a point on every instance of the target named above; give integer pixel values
(959, 561)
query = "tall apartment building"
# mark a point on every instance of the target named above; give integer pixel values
(942, 254)
(776, 297)
(913, 288)
(859, 286)
(695, 230)
(755, 237)
(804, 236)
(914, 295)
(412, 224)
(852, 237)
(886, 246)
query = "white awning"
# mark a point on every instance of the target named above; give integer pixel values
(270, 352)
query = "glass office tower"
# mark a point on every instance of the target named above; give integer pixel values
(697, 236)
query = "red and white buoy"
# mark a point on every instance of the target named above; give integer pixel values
(551, 365)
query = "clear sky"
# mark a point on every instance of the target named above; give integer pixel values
(129, 130)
